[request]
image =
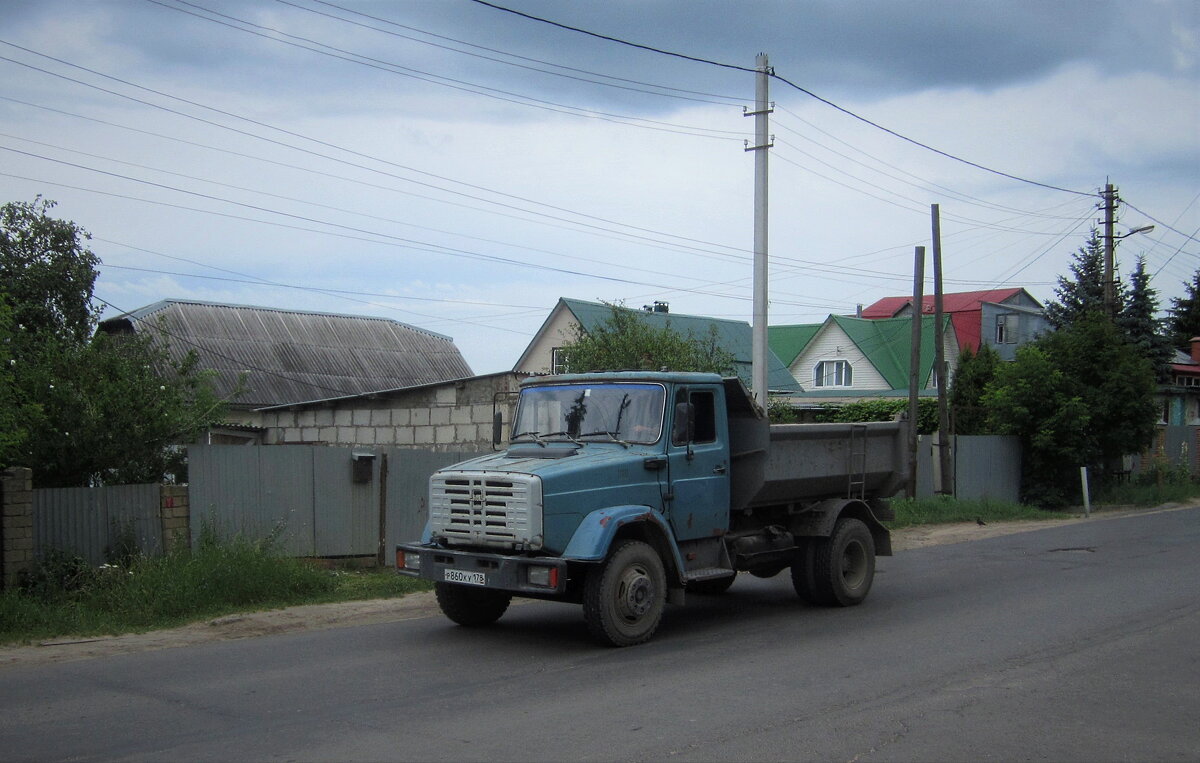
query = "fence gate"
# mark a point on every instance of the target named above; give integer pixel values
(315, 500)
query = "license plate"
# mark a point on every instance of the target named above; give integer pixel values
(470, 578)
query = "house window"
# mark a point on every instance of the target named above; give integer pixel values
(833, 373)
(1006, 329)
(558, 361)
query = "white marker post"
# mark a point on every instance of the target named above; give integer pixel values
(1087, 504)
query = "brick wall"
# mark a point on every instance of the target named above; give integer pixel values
(16, 528)
(174, 513)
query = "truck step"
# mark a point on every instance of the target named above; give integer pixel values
(708, 573)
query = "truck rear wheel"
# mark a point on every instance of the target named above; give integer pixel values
(623, 600)
(836, 571)
(471, 606)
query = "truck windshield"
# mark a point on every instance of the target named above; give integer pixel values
(631, 413)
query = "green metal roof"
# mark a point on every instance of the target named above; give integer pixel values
(787, 342)
(887, 343)
(735, 337)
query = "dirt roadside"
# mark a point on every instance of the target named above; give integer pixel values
(318, 616)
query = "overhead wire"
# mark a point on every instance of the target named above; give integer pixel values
(670, 91)
(450, 82)
(771, 73)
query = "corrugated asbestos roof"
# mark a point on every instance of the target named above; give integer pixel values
(293, 356)
(735, 337)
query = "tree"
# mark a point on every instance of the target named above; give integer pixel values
(1084, 293)
(1185, 315)
(88, 410)
(1139, 321)
(626, 340)
(1079, 396)
(46, 272)
(974, 373)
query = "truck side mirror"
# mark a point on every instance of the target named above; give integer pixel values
(497, 428)
(683, 429)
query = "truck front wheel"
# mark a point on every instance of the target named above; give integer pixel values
(623, 599)
(470, 606)
(836, 571)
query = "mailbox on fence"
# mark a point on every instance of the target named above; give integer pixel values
(362, 461)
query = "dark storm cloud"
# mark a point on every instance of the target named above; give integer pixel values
(835, 47)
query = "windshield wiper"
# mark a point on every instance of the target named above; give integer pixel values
(535, 435)
(563, 434)
(611, 435)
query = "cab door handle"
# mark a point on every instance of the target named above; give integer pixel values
(719, 469)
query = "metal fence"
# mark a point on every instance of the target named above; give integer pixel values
(313, 500)
(96, 523)
(985, 466)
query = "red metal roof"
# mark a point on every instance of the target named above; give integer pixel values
(964, 301)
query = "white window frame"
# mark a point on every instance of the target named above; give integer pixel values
(558, 361)
(843, 376)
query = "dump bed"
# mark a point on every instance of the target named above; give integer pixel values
(785, 463)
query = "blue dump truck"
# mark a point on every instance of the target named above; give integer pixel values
(626, 491)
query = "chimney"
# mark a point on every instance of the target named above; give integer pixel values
(662, 307)
(858, 311)
(1195, 342)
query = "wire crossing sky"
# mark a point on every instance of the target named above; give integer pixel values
(460, 165)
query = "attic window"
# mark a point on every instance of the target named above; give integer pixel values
(833, 373)
(1006, 329)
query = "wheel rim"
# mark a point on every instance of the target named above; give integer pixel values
(854, 565)
(635, 593)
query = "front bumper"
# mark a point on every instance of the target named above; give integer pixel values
(484, 570)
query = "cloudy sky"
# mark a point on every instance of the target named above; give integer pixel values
(458, 167)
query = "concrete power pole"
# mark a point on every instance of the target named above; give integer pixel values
(1110, 219)
(762, 143)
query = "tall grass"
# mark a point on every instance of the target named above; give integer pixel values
(67, 597)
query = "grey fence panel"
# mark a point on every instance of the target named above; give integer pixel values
(285, 496)
(254, 491)
(924, 467)
(988, 466)
(408, 493)
(92, 522)
(346, 513)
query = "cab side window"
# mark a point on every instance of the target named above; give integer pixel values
(704, 403)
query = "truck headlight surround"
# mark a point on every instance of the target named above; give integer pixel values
(542, 576)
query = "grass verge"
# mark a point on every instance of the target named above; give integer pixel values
(67, 597)
(936, 511)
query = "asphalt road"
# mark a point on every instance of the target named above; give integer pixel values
(1080, 642)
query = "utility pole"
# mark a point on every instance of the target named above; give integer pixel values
(762, 107)
(914, 366)
(945, 462)
(1109, 195)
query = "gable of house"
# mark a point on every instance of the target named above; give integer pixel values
(974, 322)
(735, 337)
(287, 356)
(877, 351)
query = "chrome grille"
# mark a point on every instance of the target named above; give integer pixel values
(486, 509)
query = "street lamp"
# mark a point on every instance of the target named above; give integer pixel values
(1143, 229)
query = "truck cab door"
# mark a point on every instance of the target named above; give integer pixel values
(698, 465)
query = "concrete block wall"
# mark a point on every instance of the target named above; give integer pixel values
(16, 523)
(447, 417)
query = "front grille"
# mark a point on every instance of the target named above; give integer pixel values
(486, 509)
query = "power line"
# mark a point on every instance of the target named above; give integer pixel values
(790, 84)
(684, 94)
(450, 82)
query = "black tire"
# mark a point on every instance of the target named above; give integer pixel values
(470, 606)
(836, 571)
(624, 598)
(712, 586)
